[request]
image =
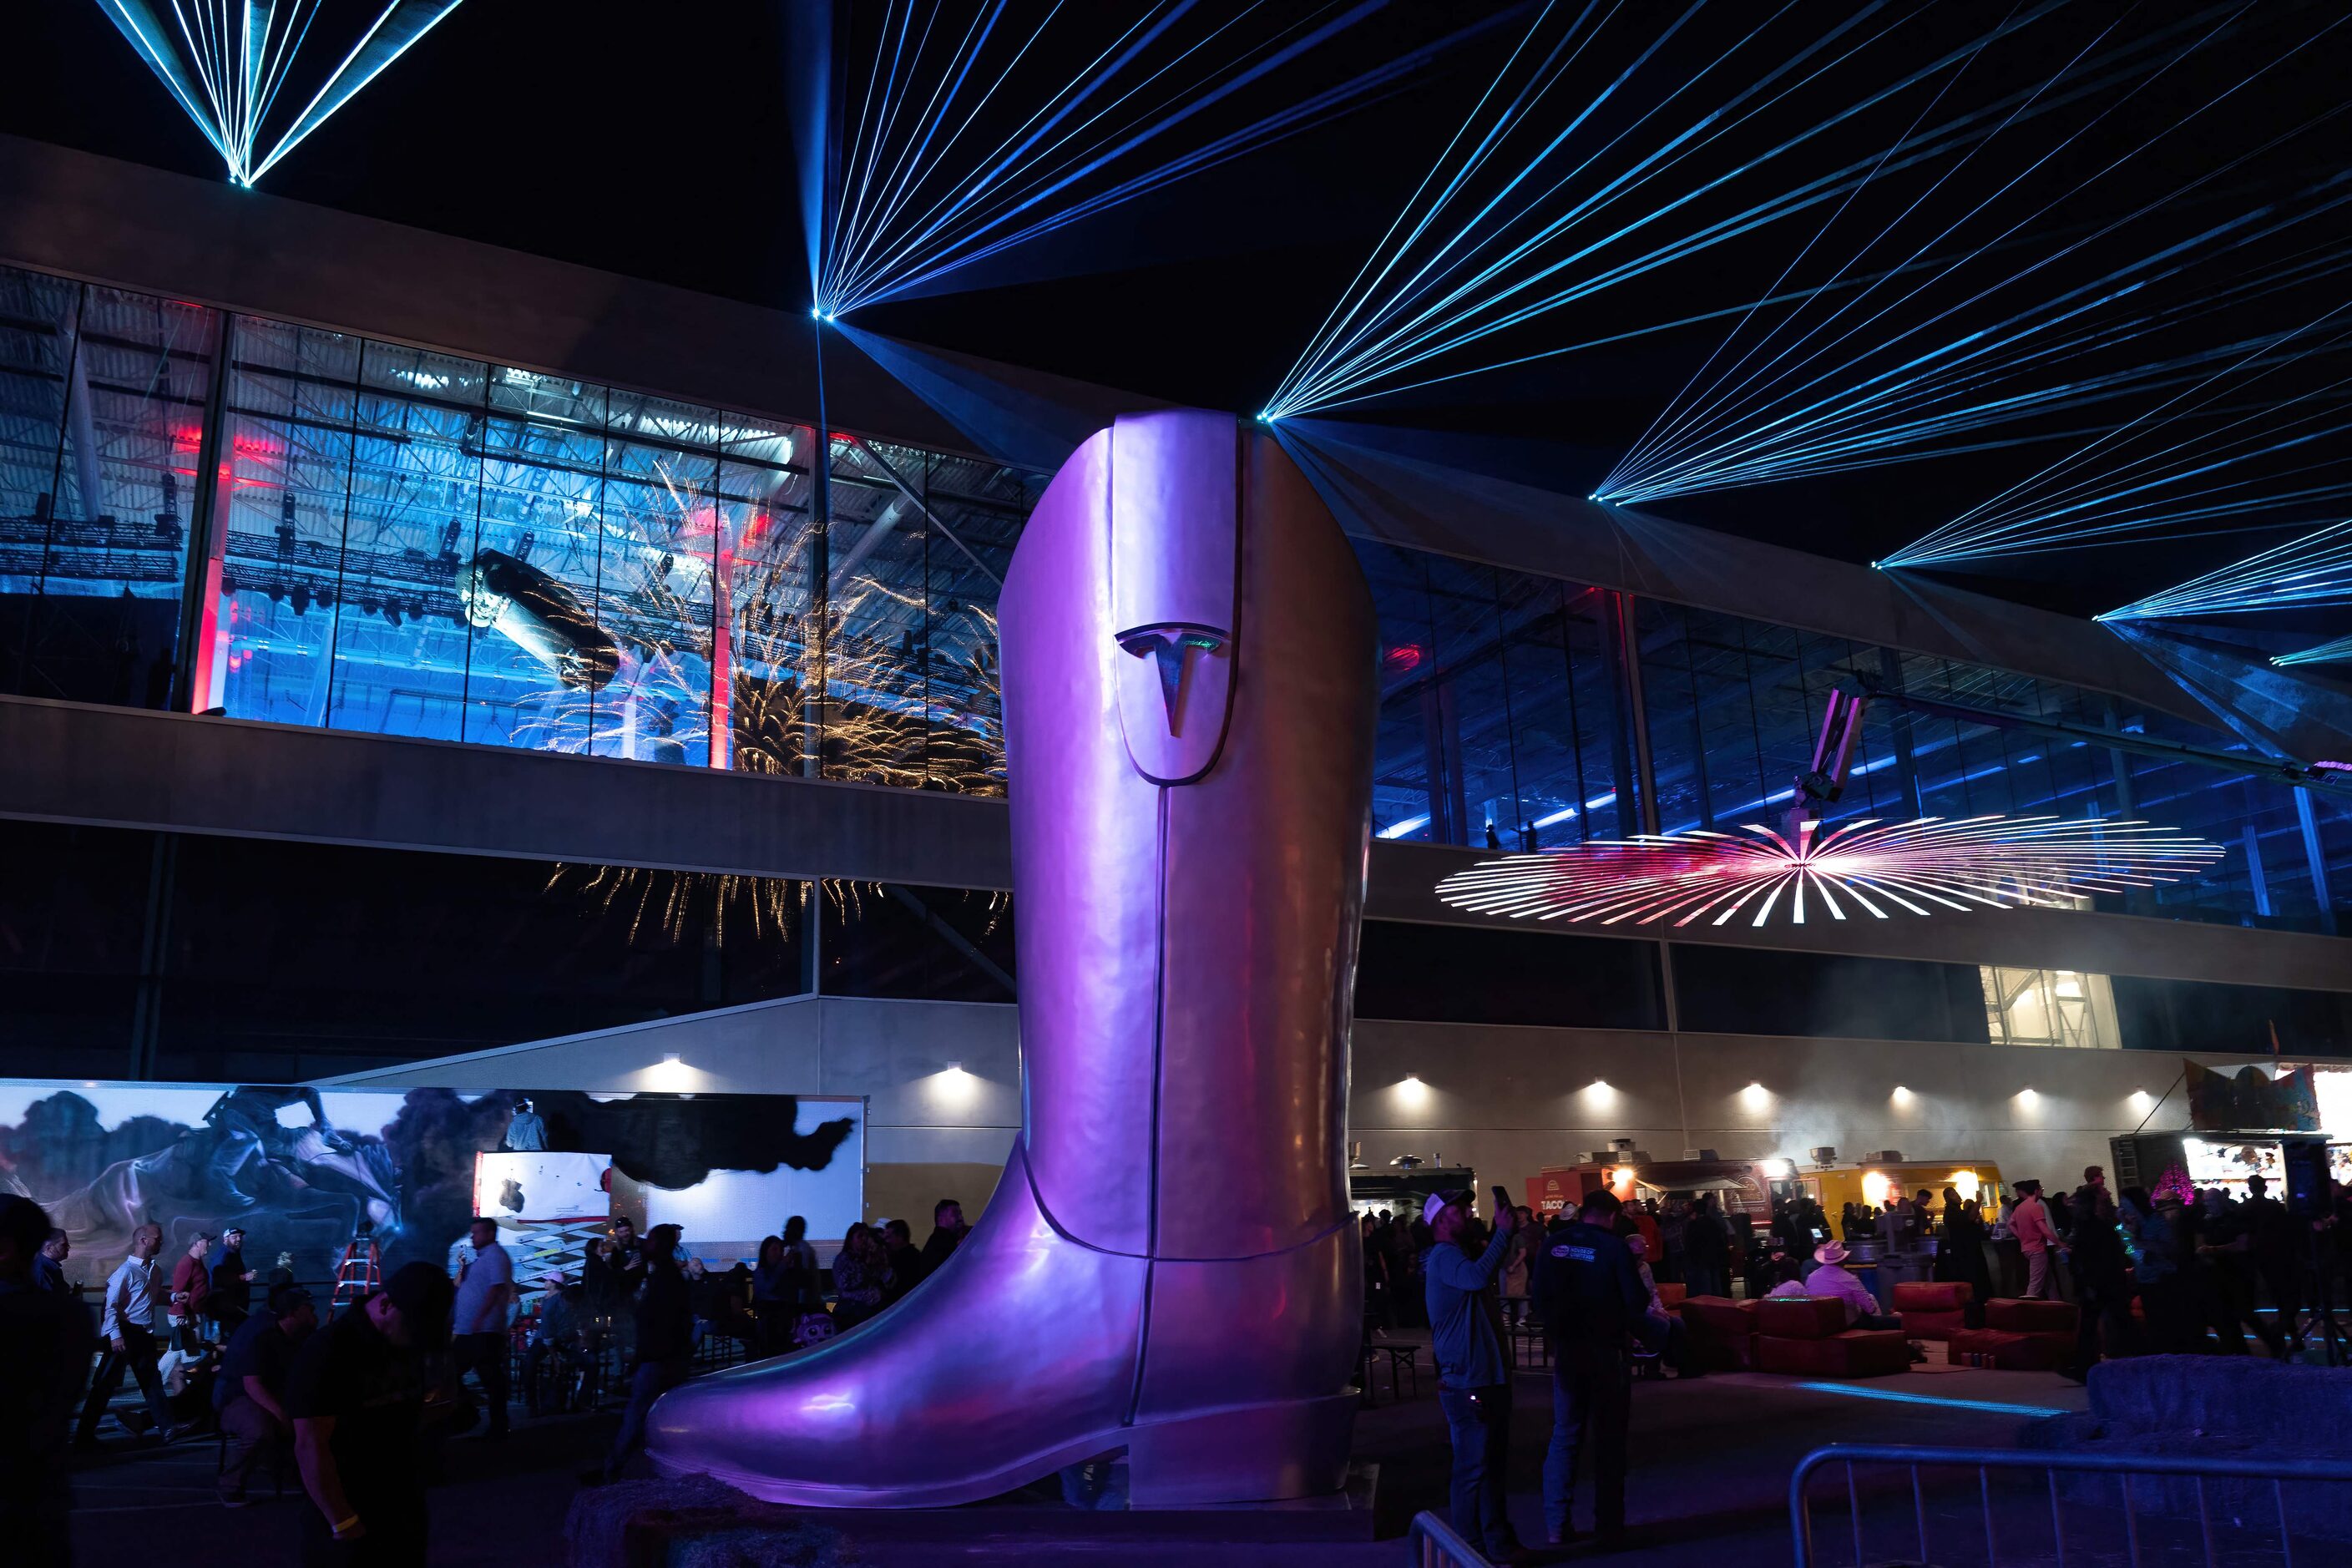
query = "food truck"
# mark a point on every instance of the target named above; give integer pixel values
(1751, 1186)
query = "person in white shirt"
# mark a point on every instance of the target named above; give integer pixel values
(138, 1303)
(477, 1323)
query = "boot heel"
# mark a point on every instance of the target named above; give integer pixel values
(1250, 1453)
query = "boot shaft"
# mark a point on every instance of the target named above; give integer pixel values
(1189, 706)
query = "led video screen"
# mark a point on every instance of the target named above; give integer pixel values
(304, 1170)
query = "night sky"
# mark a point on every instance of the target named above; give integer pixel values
(657, 140)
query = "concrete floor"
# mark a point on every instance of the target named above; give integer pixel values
(1711, 1461)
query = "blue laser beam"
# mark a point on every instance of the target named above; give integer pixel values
(1892, 419)
(1749, 388)
(925, 193)
(2337, 652)
(2307, 573)
(1750, 432)
(1890, 1396)
(1315, 109)
(2106, 473)
(227, 62)
(1437, 284)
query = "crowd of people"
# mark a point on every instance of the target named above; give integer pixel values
(2197, 1263)
(2205, 1268)
(357, 1402)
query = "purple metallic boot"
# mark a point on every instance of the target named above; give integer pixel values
(1168, 1267)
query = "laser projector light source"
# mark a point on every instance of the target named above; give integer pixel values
(1920, 867)
(243, 75)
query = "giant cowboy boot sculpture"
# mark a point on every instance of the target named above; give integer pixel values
(1168, 1268)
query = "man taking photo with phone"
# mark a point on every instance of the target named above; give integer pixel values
(1474, 1372)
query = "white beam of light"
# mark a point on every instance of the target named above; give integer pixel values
(925, 192)
(227, 63)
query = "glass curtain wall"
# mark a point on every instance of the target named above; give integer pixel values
(1503, 725)
(410, 542)
(1735, 705)
(1500, 721)
(917, 552)
(418, 544)
(102, 399)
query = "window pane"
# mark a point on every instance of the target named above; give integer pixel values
(877, 697)
(983, 506)
(292, 396)
(656, 593)
(539, 653)
(99, 550)
(401, 636)
(1408, 769)
(768, 532)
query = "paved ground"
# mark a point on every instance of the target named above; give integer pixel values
(1708, 1490)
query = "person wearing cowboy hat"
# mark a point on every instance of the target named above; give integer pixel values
(1829, 1278)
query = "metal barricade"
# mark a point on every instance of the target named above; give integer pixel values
(2266, 1539)
(1435, 1545)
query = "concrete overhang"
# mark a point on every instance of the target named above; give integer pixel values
(127, 768)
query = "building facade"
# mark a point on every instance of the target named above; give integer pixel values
(418, 659)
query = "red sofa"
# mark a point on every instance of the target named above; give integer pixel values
(1933, 1310)
(2018, 1335)
(1806, 1336)
(1722, 1331)
(1671, 1294)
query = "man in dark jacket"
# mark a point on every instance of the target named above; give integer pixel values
(2095, 1250)
(1592, 1301)
(1707, 1249)
(948, 1231)
(231, 1300)
(250, 1390)
(665, 1342)
(2276, 1240)
(44, 1346)
(906, 1259)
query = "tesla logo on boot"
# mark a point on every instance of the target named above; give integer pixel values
(1172, 648)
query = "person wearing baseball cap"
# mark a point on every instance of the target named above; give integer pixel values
(1474, 1372)
(357, 1398)
(249, 1390)
(231, 1299)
